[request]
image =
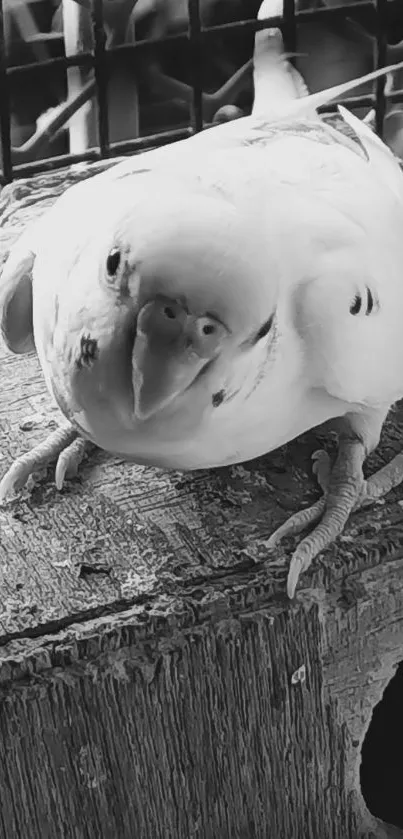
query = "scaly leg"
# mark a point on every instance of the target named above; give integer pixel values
(345, 491)
(64, 443)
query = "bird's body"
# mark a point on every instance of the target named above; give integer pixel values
(315, 187)
(202, 304)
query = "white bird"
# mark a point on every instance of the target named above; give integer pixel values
(202, 304)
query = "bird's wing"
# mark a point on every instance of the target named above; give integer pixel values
(16, 292)
(349, 304)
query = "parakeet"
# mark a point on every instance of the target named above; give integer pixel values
(201, 304)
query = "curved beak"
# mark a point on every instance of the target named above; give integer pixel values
(171, 349)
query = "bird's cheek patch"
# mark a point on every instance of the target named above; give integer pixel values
(88, 352)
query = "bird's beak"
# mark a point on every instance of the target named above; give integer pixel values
(158, 378)
(170, 350)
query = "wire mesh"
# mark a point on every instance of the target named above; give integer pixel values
(199, 39)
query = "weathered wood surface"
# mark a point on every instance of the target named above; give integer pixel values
(147, 647)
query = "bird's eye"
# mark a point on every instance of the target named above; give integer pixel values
(113, 262)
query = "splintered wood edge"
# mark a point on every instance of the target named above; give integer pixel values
(346, 650)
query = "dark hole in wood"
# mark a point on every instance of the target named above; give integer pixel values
(381, 771)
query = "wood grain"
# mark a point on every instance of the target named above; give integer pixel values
(147, 649)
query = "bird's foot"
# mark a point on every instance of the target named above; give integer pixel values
(372, 490)
(345, 490)
(63, 444)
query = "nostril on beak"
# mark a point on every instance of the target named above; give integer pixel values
(162, 316)
(205, 326)
(169, 312)
(207, 335)
(167, 325)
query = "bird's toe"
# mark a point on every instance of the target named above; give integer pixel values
(39, 457)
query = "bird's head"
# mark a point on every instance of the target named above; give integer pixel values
(168, 294)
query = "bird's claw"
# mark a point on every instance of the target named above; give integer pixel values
(314, 542)
(301, 558)
(297, 567)
(63, 443)
(296, 523)
(69, 461)
(303, 518)
(329, 520)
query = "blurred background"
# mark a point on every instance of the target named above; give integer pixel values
(53, 109)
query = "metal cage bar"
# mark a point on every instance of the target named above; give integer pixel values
(380, 61)
(196, 52)
(290, 26)
(5, 113)
(198, 37)
(101, 77)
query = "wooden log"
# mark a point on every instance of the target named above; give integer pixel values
(154, 680)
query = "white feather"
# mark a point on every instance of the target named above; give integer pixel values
(275, 80)
(315, 224)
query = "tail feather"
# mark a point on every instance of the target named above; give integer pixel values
(280, 91)
(276, 81)
(301, 107)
